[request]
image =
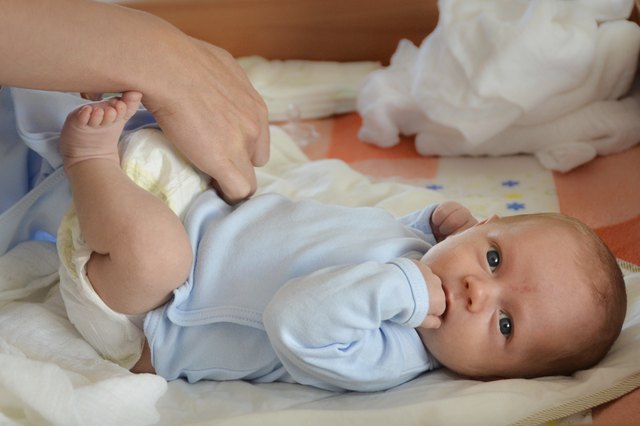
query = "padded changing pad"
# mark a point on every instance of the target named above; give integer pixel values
(51, 376)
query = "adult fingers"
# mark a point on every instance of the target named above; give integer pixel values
(262, 148)
(235, 182)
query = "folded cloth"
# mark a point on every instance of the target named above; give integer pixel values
(494, 64)
(317, 88)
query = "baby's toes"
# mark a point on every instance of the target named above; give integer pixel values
(96, 117)
(82, 115)
(120, 108)
(110, 115)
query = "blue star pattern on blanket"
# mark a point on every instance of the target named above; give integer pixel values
(435, 187)
(503, 185)
(516, 206)
(510, 183)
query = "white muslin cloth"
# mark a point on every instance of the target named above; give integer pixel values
(500, 77)
(49, 374)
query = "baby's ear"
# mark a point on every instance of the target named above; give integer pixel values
(487, 220)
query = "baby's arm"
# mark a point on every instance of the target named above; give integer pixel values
(450, 218)
(351, 327)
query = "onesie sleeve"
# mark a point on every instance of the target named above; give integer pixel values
(420, 220)
(351, 327)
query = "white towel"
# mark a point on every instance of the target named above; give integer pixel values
(491, 65)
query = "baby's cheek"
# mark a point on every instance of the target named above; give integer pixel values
(438, 252)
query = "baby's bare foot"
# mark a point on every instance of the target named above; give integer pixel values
(92, 131)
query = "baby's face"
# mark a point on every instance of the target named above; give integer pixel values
(513, 292)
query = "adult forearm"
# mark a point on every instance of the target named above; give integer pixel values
(197, 92)
(52, 45)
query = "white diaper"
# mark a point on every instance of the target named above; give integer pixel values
(152, 163)
(116, 337)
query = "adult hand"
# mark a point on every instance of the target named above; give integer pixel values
(216, 119)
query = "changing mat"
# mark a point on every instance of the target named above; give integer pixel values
(51, 376)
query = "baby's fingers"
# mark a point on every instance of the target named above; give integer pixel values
(457, 221)
(431, 321)
(449, 218)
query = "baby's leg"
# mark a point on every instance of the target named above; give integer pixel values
(141, 251)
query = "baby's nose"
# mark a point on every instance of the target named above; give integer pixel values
(479, 293)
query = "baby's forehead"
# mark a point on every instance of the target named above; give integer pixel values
(542, 222)
(558, 320)
(557, 235)
(532, 231)
(549, 270)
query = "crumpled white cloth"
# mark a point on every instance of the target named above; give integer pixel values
(501, 77)
(49, 374)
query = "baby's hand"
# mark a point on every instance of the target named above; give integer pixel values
(449, 218)
(437, 299)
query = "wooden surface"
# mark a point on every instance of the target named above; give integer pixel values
(342, 30)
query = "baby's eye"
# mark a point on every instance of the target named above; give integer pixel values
(505, 324)
(493, 259)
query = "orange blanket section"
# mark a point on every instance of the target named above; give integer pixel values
(339, 139)
(603, 193)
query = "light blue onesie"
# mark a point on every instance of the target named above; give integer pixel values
(301, 292)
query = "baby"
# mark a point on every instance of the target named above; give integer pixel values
(335, 297)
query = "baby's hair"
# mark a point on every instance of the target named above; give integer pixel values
(602, 273)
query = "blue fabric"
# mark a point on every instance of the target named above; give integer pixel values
(14, 156)
(34, 193)
(276, 284)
